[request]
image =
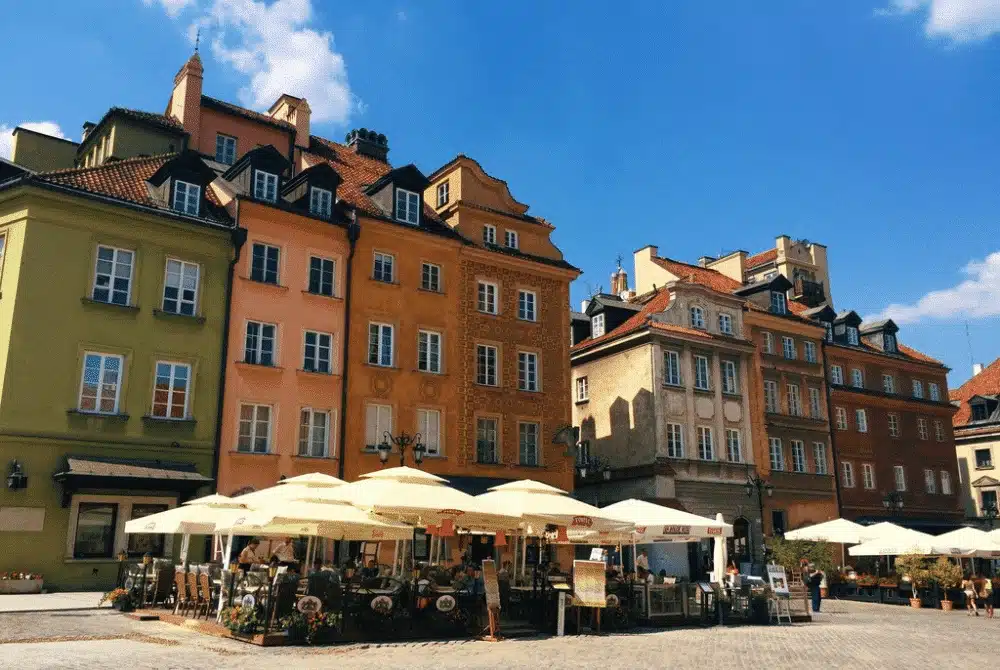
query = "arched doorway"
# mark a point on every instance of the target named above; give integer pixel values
(739, 543)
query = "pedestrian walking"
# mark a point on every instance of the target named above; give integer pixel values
(988, 596)
(969, 589)
(813, 580)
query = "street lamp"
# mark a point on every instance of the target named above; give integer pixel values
(402, 441)
(893, 502)
(761, 487)
(990, 514)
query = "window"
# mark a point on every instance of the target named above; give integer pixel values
(430, 277)
(946, 482)
(527, 438)
(922, 428)
(486, 365)
(321, 274)
(857, 378)
(510, 239)
(841, 418)
(979, 411)
(318, 352)
(701, 373)
(788, 348)
(144, 543)
(809, 349)
(672, 368)
(442, 194)
(815, 408)
(429, 351)
(255, 429)
(852, 335)
(778, 302)
(582, 389)
(984, 458)
(180, 287)
(320, 202)
(526, 305)
(779, 522)
(900, 476)
(527, 371)
(794, 400)
(113, 276)
(697, 318)
(798, 456)
(930, 481)
(819, 457)
(264, 263)
(170, 394)
(407, 206)
(259, 347)
(95, 530)
(730, 384)
(265, 186)
(101, 383)
(675, 440)
(314, 433)
(706, 452)
(828, 336)
(597, 325)
(868, 476)
(893, 425)
(378, 422)
(861, 418)
(384, 268)
(768, 343)
(939, 431)
(837, 375)
(489, 234)
(918, 388)
(429, 427)
(935, 392)
(771, 396)
(380, 347)
(988, 499)
(888, 383)
(486, 441)
(777, 457)
(225, 149)
(487, 299)
(889, 342)
(187, 197)
(725, 324)
(847, 475)
(734, 451)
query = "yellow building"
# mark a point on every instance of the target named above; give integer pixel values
(977, 442)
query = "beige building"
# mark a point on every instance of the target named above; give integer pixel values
(663, 406)
(977, 441)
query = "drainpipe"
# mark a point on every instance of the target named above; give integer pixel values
(239, 237)
(353, 233)
(833, 431)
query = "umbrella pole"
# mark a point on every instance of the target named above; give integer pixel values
(524, 555)
(395, 557)
(635, 559)
(228, 552)
(185, 543)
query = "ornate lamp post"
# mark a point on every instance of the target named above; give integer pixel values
(990, 514)
(893, 503)
(761, 487)
(402, 442)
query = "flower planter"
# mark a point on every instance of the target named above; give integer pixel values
(824, 592)
(946, 605)
(915, 603)
(11, 586)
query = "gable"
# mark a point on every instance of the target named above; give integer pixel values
(985, 481)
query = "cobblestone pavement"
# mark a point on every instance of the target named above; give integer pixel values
(855, 635)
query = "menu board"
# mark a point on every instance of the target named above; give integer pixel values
(776, 578)
(588, 583)
(491, 584)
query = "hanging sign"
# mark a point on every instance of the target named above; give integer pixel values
(445, 603)
(382, 604)
(248, 601)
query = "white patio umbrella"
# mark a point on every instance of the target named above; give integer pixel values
(195, 517)
(538, 504)
(658, 523)
(967, 542)
(289, 489)
(838, 531)
(895, 543)
(331, 520)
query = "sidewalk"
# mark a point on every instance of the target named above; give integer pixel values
(51, 602)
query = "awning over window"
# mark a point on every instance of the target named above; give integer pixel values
(93, 472)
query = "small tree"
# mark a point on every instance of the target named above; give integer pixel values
(948, 575)
(789, 553)
(914, 567)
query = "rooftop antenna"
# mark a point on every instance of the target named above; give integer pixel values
(197, 40)
(619, 259)
(968, 340)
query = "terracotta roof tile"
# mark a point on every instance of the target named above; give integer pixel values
(698, 275)
(918, 355)
(230, 108)
(986, 382)
(760, 259)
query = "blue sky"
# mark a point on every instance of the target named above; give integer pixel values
(872, 126)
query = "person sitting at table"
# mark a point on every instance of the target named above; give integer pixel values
(662, 577)
(248, 557)
(285, 553)
(371, 571)
(459, 579)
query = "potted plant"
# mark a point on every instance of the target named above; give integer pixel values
(913, 567)
(120, 599)
(793, 554)
(312, 627)
(20, 582)
(240, 620)
(948, 575)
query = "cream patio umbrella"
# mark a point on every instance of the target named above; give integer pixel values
(895, 543)
(837, 531)
(195, 517)
(968, 542)
(332, 520)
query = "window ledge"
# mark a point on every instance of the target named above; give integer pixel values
(315, 373)
(237, 452)
(278, 287)
(728, 394)
(172, 316)
(488, 387)
(532, 393)
(582, 402)
(482, 313)
(311, 458)
(164, 419)
(704, 391)
(335, 298)
(258, 366)
(430, 372)
(385, 283)
(90, 302)
(676, 387)
(430, 290)
(530, 322)
(118, 416)
(984, 467)
(384, 367)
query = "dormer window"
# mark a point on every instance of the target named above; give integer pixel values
(320, 202)
(980, 412)
(698, 318)
(265, 186)
(725, 324)
(511, 239)
(778, 305)
(225, 149)
(407, 206)
(829, 331)
(852, 335)
(889, 343)
(187, 197)
(597, 325)
(442, 194)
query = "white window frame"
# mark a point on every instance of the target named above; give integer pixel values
(407, 206)
(815, 403)
(265, 186)
(868, 476)
(116, 261)
(857, 378)
(945, 483)
(768, 343)
(702, 373)
(597, 325)
(263, 277)
(888, 384)
(672, 368)
(725, 324)
(427, 340)
(258, 349)
(309, 439)
(228, 142)
(930, 482)
(254, 426)
(123, 515)
(521, 434)
(443, 194)
(528, 371)
(318, 346)
(171, 390)
(489, 234)
(899, 477)
(730, 379)
(918, 389)
(852, 336)
(184, 270)
(101, 371)
(934, 391)
(794, 395)
(487, 297)
(430, 277)
(837, 375)
(430, 436)
(775, 452)
(487, 365)
(938, 430)
(675, 440)
(841, 418)
(322, 261)
(772, 404)
(893, 421)
(734, 446)
(819, 458)
(383, 423)
(922, 430)
(697, 317)
(187, 197)
(381, 261)
(779, 303)
(861, 419)
(320, 201)
(582, 389)
(511, 239)
(706, 443)
(809, 351)
(496, 444)
(800, 462)
(788, 348)
(847, 474)
(381, 331)
(527, 305)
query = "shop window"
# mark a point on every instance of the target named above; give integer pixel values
(143, 543)
(95, 530)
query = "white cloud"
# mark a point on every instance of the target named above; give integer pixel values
(959, 20)
(172, 7)
(7, 134)
(276, 45)
(976, 297)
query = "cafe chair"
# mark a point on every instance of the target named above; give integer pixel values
(209, 599)
(181, 601)
(194, 598)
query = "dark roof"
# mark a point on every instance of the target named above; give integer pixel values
(578, 316)
(776, 283)
(95, 466)
(612, 301)
(881, 324)
(517, 253)
(818, 311)
(235, 110)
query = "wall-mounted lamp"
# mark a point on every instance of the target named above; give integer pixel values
(16, 479)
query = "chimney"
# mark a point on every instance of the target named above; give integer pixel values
(619, 282)
(87, 127)
(369, 143)
(296, 112)
(977, 368)
(704, 261)
(584, 305)
(185, 102)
